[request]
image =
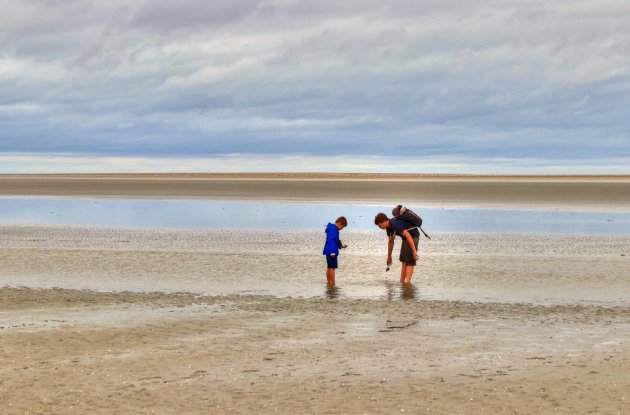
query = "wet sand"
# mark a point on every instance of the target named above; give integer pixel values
(144, 322)
(506, 268)
(493, 324)
(587, 192)
(77, 352)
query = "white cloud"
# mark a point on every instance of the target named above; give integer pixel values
(236, 163)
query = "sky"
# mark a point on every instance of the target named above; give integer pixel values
(397, 86)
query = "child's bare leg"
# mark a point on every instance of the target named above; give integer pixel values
(330, 276)
(403, 272)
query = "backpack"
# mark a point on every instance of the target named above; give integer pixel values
(408, 215)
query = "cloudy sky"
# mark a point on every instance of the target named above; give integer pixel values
(438, 86)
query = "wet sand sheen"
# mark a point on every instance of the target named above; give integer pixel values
(70, 352)
(542, 269)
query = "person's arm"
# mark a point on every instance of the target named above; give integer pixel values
(409, 239)
(390, 248)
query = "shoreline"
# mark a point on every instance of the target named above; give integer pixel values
(323, 176)
(29, 298)
(435, 204)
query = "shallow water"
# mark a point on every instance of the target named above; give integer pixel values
(483, 267)
(226, 247)
(230, 215)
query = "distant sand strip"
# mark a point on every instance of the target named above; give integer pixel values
(590, 192)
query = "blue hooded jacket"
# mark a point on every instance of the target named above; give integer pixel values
(332, 240)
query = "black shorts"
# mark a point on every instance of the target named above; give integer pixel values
(331, 261)
(406, 255)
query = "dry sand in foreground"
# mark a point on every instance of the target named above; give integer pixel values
(600, 192)
(66, 352)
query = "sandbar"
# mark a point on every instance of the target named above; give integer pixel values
(586, 192)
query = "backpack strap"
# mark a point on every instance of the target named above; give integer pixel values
(421, 230)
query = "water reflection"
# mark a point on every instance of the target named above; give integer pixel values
(407, 292)
(332, 292)
(218, 214)
(396, 290)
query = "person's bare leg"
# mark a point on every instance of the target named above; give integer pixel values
(408, 274)
(403, 272)
(330, 276)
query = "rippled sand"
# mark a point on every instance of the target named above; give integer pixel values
(241, 322)
(66, 351)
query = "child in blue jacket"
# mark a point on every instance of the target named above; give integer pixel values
(331, 249)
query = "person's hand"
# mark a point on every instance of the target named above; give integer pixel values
(344, 246)
(389, 260)
(417, 256)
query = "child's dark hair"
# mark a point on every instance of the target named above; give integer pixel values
(342, 220)
(380, 218)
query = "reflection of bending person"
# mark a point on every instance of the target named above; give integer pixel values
(409, 249)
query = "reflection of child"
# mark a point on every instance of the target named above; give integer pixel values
(331, 249)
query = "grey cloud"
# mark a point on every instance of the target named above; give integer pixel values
(191, 14)
(469, 79)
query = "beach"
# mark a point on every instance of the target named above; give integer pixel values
(86, 352)
(142, 320)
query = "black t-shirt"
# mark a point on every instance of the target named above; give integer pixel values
(397, 226)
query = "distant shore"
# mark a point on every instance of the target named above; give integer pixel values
(588, 191)
(331, 176)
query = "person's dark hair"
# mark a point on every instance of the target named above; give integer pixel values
(342, 220)
(380, 218)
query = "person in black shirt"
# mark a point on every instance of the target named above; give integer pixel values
(409, 249)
